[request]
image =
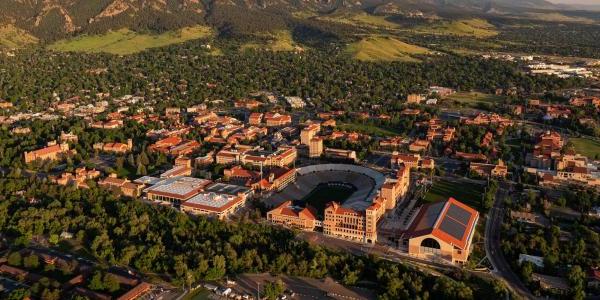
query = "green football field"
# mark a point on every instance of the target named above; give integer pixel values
(324, 193)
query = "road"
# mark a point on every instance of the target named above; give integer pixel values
(501, 268)
(360, 249)
(304, 288)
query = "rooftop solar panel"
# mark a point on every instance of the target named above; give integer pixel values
(459, 214)
(453, 228)
(430, 216)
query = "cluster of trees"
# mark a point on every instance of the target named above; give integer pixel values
(553, 38)
(324, 76)
(164, 241)
(12, 145)
(569, 248)
(49, 286)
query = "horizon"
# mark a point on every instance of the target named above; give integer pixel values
(576, 2)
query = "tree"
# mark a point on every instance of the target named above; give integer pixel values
(576, 279)
(19, 294)
(31, 262)
(96, 283)
(218, 269)
(14, 259)
(111, 283)
(272, 290)
(51, 294)
(450, 289)
(53, 239)
(141, 170)
(527, 271)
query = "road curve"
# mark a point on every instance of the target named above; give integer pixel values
(501, 268)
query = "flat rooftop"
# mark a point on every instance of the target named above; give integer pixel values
(148, 180)
(181, 187)
(210, 200)
(228, 189)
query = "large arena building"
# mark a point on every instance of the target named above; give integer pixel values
(442, 229)
(347, 201)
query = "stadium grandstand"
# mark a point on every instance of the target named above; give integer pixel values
(347, 200)
(366, 182)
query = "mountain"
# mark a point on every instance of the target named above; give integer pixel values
(55, 18)
(50, 20)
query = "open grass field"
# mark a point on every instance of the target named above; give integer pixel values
(125, 41)
(558, 17)
(469, 27)
(475, 97)
(587, 147)
(468, 193)
(13, 37)
(381, 48)
(324, 194)
(280, 40)
(199, 294)
(359, 18)
(367, 129)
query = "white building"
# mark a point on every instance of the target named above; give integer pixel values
(295, 102)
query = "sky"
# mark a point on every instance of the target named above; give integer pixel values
(576, 1)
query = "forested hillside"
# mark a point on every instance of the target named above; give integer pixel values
(532, 26)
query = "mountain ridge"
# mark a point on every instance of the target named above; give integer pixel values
(51, 20)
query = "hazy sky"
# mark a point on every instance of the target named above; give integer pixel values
(576, 1)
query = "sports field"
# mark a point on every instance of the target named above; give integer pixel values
(468, 193)
(368, 129)
(325, 193)
(475, 97)
(587, 147)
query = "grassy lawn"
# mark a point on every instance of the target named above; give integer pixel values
(381, 48)
(324, 194)
(558, 17)
(125, 41)
(467, 193)
(13, 37)
(361, 19)
(475, 97)
(280, 40)
(199, 294)
(367, 129)
(589, 148)
(469, 27)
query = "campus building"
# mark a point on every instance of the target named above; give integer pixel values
(283, 156)
(121, 186)
(309, 132)
(273, 179)
(442, 230)
(499, 170)
(315, 147)
(53, 151)
(352, 224)
(354, 219)
(217, 200)
(287, 214)
(393, 189)
(173, 190)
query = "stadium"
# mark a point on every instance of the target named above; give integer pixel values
(346, 201)
(353, 186)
